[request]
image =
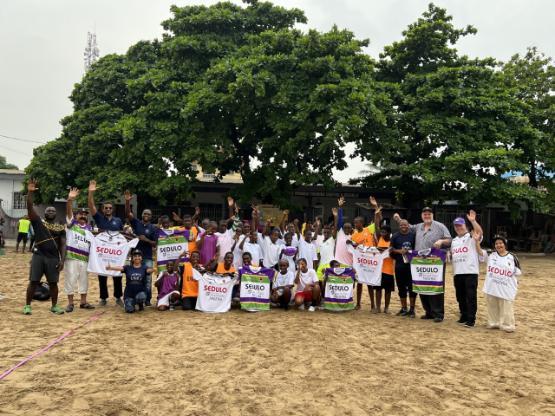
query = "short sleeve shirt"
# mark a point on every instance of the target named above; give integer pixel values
(426, 238)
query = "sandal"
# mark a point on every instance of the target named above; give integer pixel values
(86, 306)
(69, 308)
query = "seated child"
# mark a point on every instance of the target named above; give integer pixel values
(308, 287)
(168, 287)
(284, 280)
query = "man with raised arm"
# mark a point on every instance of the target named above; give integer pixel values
(105, 221)
(48, 253)
(430, 234)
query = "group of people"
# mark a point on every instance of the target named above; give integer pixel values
(211, 266)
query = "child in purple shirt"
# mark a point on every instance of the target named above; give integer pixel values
(168, 288)
(207, 244)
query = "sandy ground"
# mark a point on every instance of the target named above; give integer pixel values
(285, 363)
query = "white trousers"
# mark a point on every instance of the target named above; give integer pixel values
(500, 313)
(76, 278)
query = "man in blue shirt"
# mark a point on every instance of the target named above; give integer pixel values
(105, 221)
(148, 237)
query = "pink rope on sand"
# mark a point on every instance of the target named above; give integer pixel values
(49, 345)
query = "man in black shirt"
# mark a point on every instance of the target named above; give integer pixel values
(105, 222)
(401, 243)
(48, 252)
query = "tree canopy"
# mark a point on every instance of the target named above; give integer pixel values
(236, 88)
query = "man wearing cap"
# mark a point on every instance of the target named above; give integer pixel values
(466, 254)
(106, 222)
(148, 238)
(430, 234)
(79, 236)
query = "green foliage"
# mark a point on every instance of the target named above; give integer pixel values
(5, 165)
(458, 124)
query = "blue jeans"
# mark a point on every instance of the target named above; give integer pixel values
(149, 263)
(131, 302)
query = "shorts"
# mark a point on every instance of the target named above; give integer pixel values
(22, 236)
(75, 277)
(403, 276)
(305, 295)
(388, 282)
(42, 265)
(189, 303)
(165, 300)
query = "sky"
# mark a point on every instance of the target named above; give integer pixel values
(42, 44)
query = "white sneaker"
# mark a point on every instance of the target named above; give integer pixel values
(311, 309)
(301, 308)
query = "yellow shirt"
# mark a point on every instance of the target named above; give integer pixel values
(24, 225)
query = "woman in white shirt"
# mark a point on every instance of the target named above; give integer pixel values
(501, 286)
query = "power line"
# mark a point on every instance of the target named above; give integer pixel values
(20, 139)
(15, 151)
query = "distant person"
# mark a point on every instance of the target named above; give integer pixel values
(23, 226)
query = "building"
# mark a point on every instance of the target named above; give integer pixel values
(12, 199)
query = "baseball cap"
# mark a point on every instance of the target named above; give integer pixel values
(459, 221)
(427, 209)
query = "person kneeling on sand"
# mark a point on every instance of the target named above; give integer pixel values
(135, 281)
(308, 288)
(168, 288)
(284, 280)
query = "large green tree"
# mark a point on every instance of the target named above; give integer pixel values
(452, 134)
(232, 88)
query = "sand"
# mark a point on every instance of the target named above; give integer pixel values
(285, 363)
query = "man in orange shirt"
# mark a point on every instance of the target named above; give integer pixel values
(366, 236)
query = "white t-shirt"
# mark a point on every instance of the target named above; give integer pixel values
(271, 252)
(255, 250)
(368, 263)
(290, 254)
(287, 279)
(465, 256)
(327, 249)
(109, 248)
(214, 292)
(237, 253)
(225, 242)
(307, 251)
(306, 278)
(501, 276)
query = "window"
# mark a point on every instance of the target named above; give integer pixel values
(19, 200)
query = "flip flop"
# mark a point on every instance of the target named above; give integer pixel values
(69, 308)
(86, 306)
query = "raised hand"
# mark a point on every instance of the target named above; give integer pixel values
(73, 193)
(176, 217)
(127, 195)
(32, 185)
(341, 201)
(471, 215)
(335, 211)
(197, 211)
(92, 186)
(286, 213)
(397, 217)
(373, 202)
(230, 201)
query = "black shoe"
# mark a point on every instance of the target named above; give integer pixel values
(411, 314)
(426, 317)
(141, 307)
(462, 320)
(147, 303)
(438, 319)
(469, 324)
(402, 312)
